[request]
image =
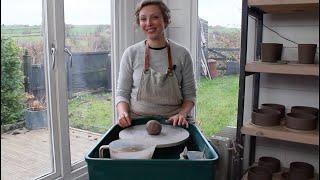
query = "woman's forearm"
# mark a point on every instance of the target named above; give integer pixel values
(186, 107)
(122, 107)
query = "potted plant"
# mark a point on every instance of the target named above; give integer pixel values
(36, 112)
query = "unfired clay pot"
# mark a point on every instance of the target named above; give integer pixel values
(305, 109)
(270, 163)
(266, 117)
(278, 107)
(271, 52)
(294, 176)
(298, 168)
(259, 173)
(301, 121)
(306, 53)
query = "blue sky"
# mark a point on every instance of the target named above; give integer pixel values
(217, 12)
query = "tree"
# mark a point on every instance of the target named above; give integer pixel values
(12, 91)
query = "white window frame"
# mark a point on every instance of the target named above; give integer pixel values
(56, 78)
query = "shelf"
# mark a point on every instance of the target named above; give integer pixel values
(281, 133)
(294, 69)
(285, 6)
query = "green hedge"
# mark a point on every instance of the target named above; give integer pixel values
(12, 91)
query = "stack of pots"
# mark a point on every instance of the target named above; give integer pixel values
(268, 115)
(302, 118)
(299, 171)
(266, 167)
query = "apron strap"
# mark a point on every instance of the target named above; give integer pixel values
(147, 58)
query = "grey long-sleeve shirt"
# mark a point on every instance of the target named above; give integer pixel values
(132, 65)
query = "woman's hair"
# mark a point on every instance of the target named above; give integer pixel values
(162, 6)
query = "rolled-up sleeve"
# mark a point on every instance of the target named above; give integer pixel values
(124, 85)
(188, 79)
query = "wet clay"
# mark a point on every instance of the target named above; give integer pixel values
(153, 127)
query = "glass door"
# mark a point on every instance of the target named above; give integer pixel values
(26, 134)
(88, 61)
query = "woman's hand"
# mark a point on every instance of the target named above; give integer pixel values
(179, 119)
(124, 119)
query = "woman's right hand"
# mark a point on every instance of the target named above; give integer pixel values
(124, 119)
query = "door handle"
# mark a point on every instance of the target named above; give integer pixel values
(53, 54)
(70, 55)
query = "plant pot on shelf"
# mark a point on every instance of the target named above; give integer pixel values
(306, 53)
(271, 52)
(36, 118)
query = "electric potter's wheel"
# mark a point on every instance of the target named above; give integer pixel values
(169, 136)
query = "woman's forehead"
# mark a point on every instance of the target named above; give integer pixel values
(150, 10)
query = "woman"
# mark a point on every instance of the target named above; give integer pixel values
(156, 75)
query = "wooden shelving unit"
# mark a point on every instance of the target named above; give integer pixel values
(281, 133)
(258, 8)
(294, 69)
(285, 6)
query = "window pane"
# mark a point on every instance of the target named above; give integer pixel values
(88, 41)
(218, 65)
(25, 143)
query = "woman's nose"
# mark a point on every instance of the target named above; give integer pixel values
(149, 22)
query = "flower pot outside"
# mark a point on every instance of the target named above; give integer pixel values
(36, 119)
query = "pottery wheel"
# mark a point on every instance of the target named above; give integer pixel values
(169, 136)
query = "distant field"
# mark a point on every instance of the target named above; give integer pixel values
(23, 30)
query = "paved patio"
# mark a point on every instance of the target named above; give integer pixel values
(26, 154)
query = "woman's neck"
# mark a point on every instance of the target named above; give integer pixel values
(158, 43)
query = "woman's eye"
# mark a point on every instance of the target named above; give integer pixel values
(155, 17)
(142, 19)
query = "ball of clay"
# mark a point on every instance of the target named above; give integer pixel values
(153, 127)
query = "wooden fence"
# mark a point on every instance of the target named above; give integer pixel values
(88, 71)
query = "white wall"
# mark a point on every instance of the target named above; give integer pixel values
(288, 90)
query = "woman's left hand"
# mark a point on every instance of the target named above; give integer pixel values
(179, 119)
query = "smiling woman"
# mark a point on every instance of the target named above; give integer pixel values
(156, 75)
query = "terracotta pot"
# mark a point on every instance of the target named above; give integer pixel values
(259, 173)
(278, 107)
(270, 163)
(305, 109)
(266, 117)
(301, 121)
(306, 53)
(271, 52)
(301, 168)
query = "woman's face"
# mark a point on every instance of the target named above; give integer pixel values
(152, 22)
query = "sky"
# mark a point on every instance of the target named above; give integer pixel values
(216, 12)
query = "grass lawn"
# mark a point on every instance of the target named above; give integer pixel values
(91, 111)
(216, 106)
(217, 103)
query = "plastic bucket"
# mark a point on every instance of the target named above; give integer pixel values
(128, 149)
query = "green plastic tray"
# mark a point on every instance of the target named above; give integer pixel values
(164, 165)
